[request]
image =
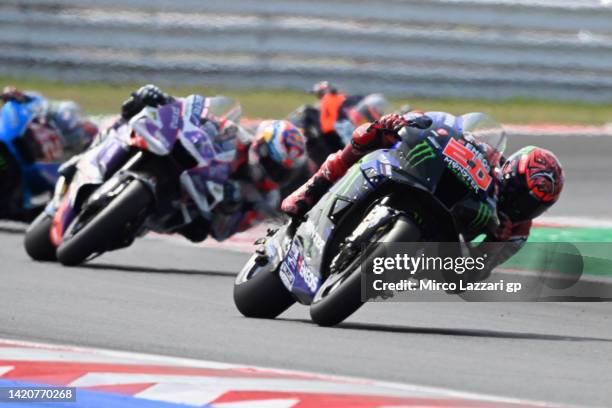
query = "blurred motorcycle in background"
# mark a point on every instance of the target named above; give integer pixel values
(162, 171)
(36, 136)
(323, 139)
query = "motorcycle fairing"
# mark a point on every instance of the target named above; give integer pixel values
(179, 122)
(297, 274)
(204, 184)
(450, 183)
(16, 116)
(92, 169)
(301, 269)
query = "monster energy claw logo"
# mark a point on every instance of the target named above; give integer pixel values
(420, 153)
(482, 216)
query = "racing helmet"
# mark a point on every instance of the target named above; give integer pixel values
(66, 116)
(531, 182)
(323, 87)
(278, 150)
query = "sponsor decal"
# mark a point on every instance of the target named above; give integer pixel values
(297, 265)
(420, 154)
(469, 162)
(482, 216)
(286, 276)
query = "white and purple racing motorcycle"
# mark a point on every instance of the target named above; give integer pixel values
(158, 172)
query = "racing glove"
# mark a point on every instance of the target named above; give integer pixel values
(148, 95)
(390, 123)
(381, 133)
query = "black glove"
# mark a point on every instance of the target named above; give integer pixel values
(148, 95)
(420, 122)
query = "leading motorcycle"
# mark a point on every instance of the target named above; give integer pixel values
(158, 172)
(434, 185)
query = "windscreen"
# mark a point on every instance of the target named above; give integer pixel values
(221, 108)
(487, 132)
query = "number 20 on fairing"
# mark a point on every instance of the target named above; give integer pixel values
(467, 160)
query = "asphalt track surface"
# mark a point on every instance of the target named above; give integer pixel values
(587, 162)
(169, 297)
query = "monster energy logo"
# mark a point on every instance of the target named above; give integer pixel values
(2, 162)
(420, 153)
(482, 216)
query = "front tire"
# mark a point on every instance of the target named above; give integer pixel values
(261, 293)
(344, 298)
(106, 226)
(37, 241)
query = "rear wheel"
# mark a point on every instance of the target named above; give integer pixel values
(37, 241)
(340, 294)
(100, 232)
(259, 291)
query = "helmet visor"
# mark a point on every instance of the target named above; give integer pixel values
(518, 203)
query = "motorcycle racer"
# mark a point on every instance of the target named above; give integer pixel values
(530, 180)
(340, 112)
(35, 136)
(64, 117)
(265, 162)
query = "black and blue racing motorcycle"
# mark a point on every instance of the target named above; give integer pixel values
(435, 185)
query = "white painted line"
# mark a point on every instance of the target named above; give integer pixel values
(5, 369)
(269, 403)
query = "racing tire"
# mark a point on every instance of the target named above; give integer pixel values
(345, 299)
(37, 240)
(264, 295)
(105, 225)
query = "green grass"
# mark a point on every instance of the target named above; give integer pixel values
(97, 98)
(591, 235)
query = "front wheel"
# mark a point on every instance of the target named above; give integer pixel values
(259, 291)
(106, 227)
(340, 295)
(37, 241)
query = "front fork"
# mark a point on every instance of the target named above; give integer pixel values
(61, 187)
(380, 216)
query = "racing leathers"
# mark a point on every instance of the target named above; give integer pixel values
(334, 116)
(383, 133)
(62, 117)
(260, 195)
